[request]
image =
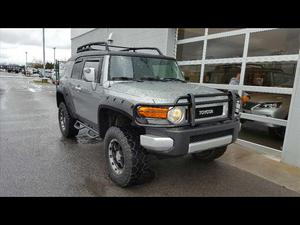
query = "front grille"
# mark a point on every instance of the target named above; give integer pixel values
(203, 137)
(206, 112)
(192, 102)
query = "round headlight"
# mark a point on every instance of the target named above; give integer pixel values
(176, 115)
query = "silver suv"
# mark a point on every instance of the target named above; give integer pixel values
(140, 104)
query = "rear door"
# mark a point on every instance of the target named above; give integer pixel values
(75, 84)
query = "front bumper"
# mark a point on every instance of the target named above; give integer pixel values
(184, 140)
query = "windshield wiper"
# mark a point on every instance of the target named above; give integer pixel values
(150, 78)
(175, 79)
(125, 78)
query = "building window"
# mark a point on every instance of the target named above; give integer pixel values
(190, 51)
(226, 47)
(191, 73)
(190, 32)
(220, 73)
(270, 74)
(274, 42)
(220, 30)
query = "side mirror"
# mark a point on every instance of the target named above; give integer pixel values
(89, 74)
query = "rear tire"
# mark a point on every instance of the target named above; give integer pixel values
(66, 122)
(210, 155)
(126, 159)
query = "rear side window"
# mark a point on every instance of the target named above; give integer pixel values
(67, 69)
(77, 69)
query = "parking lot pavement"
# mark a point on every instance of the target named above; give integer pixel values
(35, 160)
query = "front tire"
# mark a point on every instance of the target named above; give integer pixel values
(210, 155)
(127, 161)
(66, 122)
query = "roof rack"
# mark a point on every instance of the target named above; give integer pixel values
(87, 47)
(143, 48)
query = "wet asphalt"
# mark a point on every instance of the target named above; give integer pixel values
(35, 160)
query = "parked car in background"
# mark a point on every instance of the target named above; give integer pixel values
(29, 71)
(35, 71)
(48, 73)
(53, 78)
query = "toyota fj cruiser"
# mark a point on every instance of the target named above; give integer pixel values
(140, 104)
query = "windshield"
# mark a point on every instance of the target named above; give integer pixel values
(143, 68)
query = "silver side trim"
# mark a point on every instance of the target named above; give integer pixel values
(156, 143)
(209, 144)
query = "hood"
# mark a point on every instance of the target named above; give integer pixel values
(160, 92)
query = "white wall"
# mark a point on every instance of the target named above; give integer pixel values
(162, 38)
(75, 32)
(291, 146)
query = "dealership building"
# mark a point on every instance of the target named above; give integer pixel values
(264, 62)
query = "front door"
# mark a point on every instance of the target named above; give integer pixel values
(90, 92)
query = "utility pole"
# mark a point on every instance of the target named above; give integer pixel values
(26, 64)
(43, 52)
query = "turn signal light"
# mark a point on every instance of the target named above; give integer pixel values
(153, 112)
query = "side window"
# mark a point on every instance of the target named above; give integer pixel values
(77, 69)
(67, 69)
(95, 65)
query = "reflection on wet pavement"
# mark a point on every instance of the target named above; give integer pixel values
(257, 133)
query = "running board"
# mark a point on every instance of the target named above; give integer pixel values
(91, 132)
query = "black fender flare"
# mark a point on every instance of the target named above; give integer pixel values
(105, 106)
(66, 100)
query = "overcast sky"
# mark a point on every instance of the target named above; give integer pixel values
(15, 42)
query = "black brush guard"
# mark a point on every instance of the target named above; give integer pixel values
(191, 104)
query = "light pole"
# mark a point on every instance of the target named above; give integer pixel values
(43, 52)
(54, 54)
(26, 64)
(54, 64)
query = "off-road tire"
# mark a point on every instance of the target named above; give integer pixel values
(69, 130)
(136, 164)
(210, 155)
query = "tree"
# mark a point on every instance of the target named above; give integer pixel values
(37, 65)
(49, 66)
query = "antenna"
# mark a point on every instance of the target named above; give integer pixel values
(109, 39)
